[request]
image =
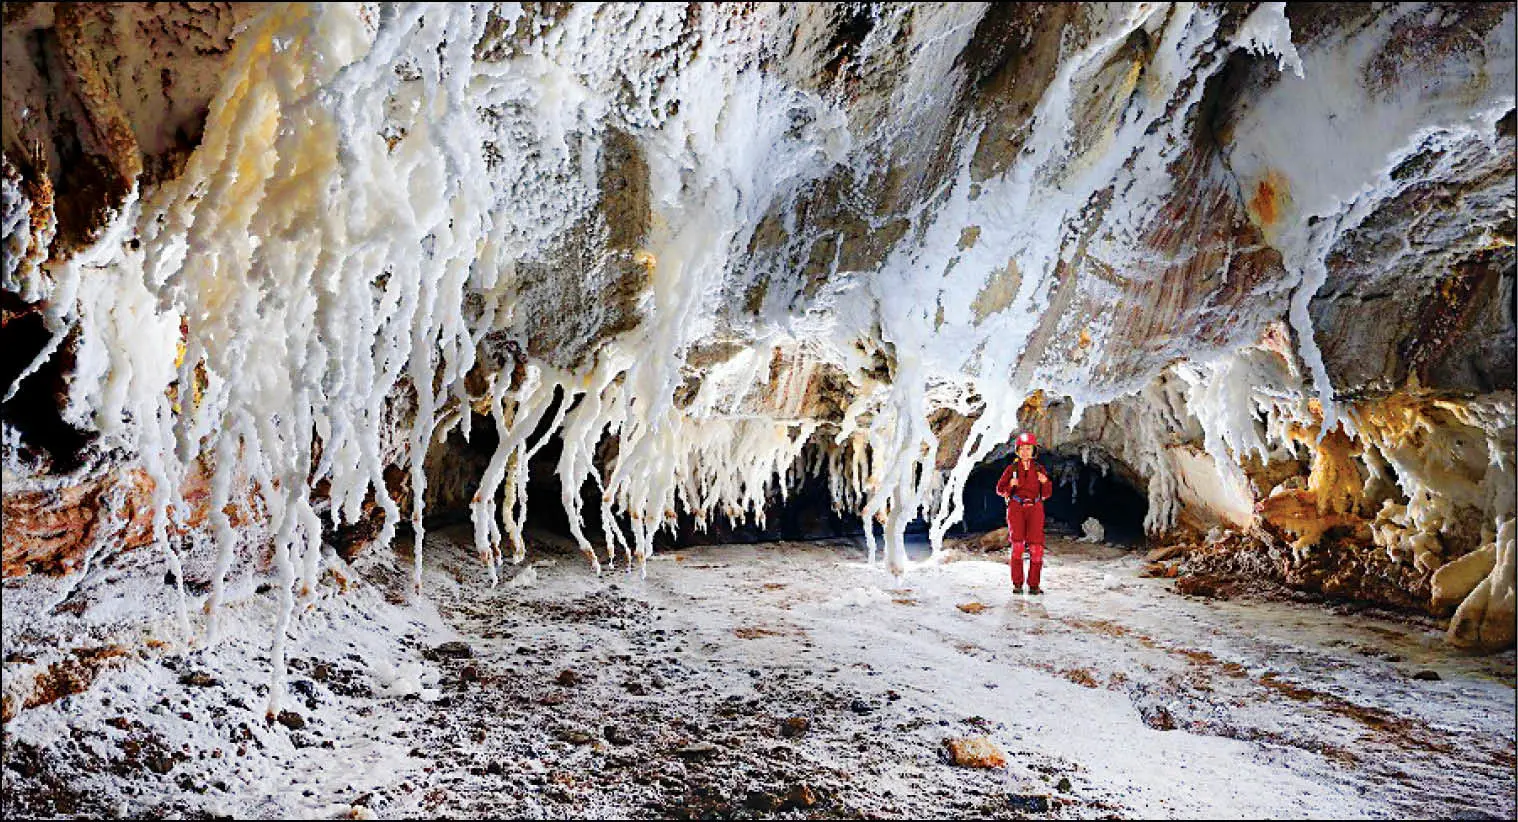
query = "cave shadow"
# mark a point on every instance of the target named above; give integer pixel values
(1100, 489)
(1081, 489)
(35, 410)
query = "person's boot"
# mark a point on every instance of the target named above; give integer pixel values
(1017, 589)
(1036, 569)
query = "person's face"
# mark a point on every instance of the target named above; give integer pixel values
(1025, 451)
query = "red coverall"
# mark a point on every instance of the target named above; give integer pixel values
(1025, 486)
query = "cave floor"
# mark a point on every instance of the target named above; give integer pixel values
(789, 680)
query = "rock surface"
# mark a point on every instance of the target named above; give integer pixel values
(975, 752)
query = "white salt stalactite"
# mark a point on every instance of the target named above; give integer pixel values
(253, 236)
(996, 423)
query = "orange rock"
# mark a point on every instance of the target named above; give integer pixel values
(755, 632)
(1297, 512)
(51, 531)
(1081, 677)
(1270, 196)
(1165, 552)
(975, 752)
(1163, 570)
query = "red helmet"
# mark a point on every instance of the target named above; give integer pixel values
(1026, 438)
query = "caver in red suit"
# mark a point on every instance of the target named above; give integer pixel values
(1025, 485)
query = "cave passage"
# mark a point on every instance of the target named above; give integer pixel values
(545, 510)
(1081, 490)
(806, 513)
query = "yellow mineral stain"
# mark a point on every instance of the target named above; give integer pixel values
(1034, 407)
(1298, 513)
(1334, 479)
(1449, 290)
(1130, 80)
(968, 237)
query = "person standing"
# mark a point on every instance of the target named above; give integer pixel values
(1025, 485)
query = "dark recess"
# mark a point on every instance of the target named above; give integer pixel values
(1080, 491)
(34, 411)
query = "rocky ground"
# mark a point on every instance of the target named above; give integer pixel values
(785, 680)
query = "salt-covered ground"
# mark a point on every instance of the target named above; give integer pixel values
(789, 680)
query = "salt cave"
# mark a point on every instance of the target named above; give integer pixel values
(543, 409)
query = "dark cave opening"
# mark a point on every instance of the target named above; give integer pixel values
(34, 410)
(1100, 488)
(545, 510)
(806, 513)
(984, 510)
(1081, 490)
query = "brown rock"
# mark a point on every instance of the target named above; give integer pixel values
(1157, 716)
(761, 801)
(1080, 676)
(1205, 585)
(994, 540)
(1163, 570)
(799, 796)
(64, 678)
(453, 649)
(1165, 552)
(755, 632)
(697, 750)
(975, 752)
(50, 531)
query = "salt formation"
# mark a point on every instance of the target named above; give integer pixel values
(707, 267)
(1092, 531)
